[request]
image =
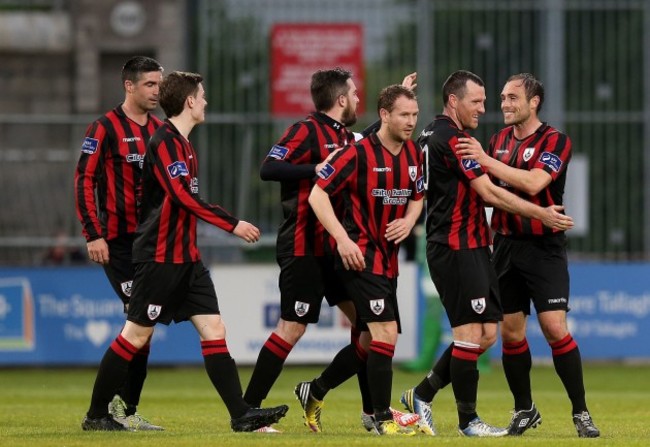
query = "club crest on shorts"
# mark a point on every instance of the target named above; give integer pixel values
(126, 287)
(377, 306)
(153, 311)
(301, 308)
(478, 304)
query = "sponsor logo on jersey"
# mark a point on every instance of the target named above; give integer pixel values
(301, 308)
(194, 185)
(134, 158)
(126, 287)
(130, 139)
(329, 146)
(177, 169)
(419, 184)
(551, 160)
(326, 172)
(468, 165)
(386, 169)
(478, 304)
(153, 311)
(278, 152)
(413, 172)
(377, 306)
(528, 153)
(89, 146)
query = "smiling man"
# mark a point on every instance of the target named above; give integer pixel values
(458, 252)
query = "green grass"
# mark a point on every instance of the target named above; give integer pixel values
(44, 407)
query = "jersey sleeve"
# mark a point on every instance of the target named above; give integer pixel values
(555, 155)
(419, 190)
(88, 171)
(293, 149)
(467, 169)
(339, 171)
(172, 172)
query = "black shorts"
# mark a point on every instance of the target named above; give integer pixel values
(466, 282)
(166, 292)
(534, 269)
(304, 281)
(120, 269)
(374, 297)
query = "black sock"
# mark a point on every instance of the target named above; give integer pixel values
(223, 374)
(112, 372)
(438, 378)
(362, 374)
(568, 365)
(380, 375)
(268, 367)
(135, 378)
(345, 364)
(517, 363)
(464, 380)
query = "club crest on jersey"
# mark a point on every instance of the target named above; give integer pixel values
(301, 308)
(153, 311)
(278, 152)
(126, 287)
(177, 169)
(419, 184)
(413, 172)
(89, 146)
(468, 165)
(478, 304)
(528, 153)
(551, 160)
(377, 306)
(327, 170)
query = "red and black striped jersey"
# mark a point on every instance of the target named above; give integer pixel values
(171, 203)
(455, 211)
(305, 144)
(375, 187)
(108, 175)
(547, 149)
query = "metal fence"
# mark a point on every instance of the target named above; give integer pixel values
(593, 57)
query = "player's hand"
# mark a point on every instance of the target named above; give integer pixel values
(322, 164)
(98, 251)
(471, 149)
(351, 255)
(247, 231)
(397, 230)
(409, 81)
(553, 218)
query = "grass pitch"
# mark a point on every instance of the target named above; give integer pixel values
(44, 407)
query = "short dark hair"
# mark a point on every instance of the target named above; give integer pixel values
(456, 84)
(532, 86)
(175, 89)
(137, 65)
(327, 86)
(390, 94)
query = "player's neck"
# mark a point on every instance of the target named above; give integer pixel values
(135, 113)
(527, 128)
(183, 124)
(392, 145)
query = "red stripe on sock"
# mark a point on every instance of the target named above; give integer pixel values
(361, 353)
(514, 348)
(382, 348)
(123, 348)
(465, 353)
(278, 346)
(563, 346)
(211, 347)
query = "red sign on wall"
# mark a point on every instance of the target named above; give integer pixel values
(299, 49)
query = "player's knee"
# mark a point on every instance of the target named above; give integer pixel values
(291, 331)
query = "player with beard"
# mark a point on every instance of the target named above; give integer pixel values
(304, 251)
